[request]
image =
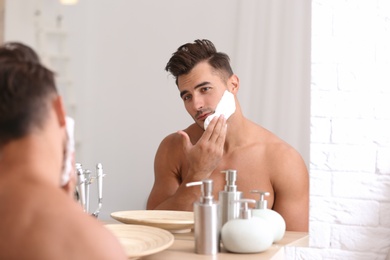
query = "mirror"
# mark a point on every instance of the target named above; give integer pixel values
(110, 56)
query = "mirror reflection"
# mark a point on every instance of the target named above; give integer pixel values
(110, 59)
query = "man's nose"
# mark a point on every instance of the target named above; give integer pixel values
(197, 103)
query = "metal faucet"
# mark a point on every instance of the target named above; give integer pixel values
(84, 180)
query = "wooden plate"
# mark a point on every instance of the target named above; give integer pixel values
(138, 240)
(173, 221)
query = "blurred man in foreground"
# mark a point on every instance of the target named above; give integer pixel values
(39, 220)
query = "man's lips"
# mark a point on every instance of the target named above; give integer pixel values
(203, 116)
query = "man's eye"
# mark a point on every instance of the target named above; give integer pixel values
(186, 97)
(205, 89)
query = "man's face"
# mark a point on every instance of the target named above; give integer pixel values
(201, 89)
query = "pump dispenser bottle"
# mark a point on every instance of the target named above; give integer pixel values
(246, 234)
(274, 218)
(229, 210)
(206, 220)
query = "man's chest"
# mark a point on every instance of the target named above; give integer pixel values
(252, 174)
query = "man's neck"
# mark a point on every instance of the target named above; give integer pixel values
(31, 156)
(236, 129)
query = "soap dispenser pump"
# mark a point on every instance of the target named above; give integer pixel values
(206, 220)
(229, 210)
(274, 218)
(246, 234)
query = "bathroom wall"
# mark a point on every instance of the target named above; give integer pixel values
(350, 131)
(2, 4)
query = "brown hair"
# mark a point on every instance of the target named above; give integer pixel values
(18, 51)
(189, 55)
(26, 88)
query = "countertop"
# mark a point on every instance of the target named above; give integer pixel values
(183, 248)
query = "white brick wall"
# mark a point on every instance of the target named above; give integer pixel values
(350, 131)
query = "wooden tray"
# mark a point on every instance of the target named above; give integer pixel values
(173, 221)
(138, 240)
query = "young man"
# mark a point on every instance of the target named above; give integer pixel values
(39, 220)
(262, 160)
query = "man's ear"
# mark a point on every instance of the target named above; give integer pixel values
(234, 82)
(59, 110)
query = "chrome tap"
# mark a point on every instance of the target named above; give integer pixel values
(80, 187)
(100, 175)
(88, 181)
(84, 180)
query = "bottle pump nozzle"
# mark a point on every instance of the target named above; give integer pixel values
(231, 177)
(262, 203)
(245, 213)
(206, 189)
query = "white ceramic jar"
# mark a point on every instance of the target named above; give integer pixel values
(276, 221)
(246, 234)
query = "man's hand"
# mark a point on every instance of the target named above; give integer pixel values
(206, 154)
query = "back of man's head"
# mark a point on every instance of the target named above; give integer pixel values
(189, 55)
(18, 51)
(26, 89)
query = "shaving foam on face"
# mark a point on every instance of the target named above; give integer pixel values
(67, 170)
(226, 107)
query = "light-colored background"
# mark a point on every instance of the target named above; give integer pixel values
(350, 93)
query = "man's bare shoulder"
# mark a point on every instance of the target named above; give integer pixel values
(175, 140)
(169, 150)
(171, 140)
(276, 151)
(271, 141)
(42, 219)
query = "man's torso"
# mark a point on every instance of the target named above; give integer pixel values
(255, 162)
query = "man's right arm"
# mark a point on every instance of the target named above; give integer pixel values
(168, 191)
(179, 162)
